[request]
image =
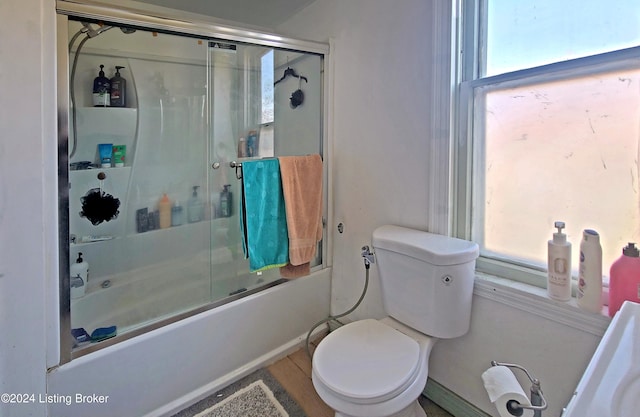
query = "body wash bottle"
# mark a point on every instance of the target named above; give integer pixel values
(590, 280)
(559, 263)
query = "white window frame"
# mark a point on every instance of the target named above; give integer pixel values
(467, 75)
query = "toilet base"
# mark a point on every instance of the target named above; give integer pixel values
(413, 410)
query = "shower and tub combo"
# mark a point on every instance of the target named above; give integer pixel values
(190, 315)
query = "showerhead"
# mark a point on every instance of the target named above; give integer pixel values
(92, 33)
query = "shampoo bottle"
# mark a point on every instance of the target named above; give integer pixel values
(624, 279)
(101, 90)
(195, 207)
(559, 263)
(118, 89)
(226, 201)
(590, 279)
(80, 268)
(164, 208)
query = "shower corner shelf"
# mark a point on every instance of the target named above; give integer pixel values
(91, 242)
(93, 172)
(109, 108)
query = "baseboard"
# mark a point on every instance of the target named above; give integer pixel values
(450, 401)
(216, 385)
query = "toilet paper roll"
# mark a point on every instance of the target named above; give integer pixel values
(502, 386)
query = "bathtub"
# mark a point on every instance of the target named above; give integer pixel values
(610, 386)
(162, 371)
(139, 297)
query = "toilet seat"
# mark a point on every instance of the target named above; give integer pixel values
(367, 362)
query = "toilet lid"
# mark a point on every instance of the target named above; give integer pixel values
(366, 361)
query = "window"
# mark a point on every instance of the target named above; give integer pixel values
(549, 125)
(266, 77)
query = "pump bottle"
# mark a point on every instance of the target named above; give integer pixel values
(118, 89)
(559, 264)
(624, 279)
(101, 90)
(80, 268)
(195, 207)
(226, 201)
(590, 279)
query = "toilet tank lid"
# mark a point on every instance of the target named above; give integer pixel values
(429, 247)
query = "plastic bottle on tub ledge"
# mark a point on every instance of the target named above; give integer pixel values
(80, 268)
(226, 201)
(79, 277)
(252, 144)
(624, 279)
(590, 276)
(164, 207)
(195, 206)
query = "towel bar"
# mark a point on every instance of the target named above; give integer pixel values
(238, 167)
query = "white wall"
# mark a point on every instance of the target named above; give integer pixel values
(378, 125)
(28, 198)
(386, 85)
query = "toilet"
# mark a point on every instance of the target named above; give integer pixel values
(379, 368)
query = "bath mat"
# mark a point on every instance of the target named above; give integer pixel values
(256, 395)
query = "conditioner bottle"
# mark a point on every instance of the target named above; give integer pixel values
(559, 266)
(118, 89)
(590, 279)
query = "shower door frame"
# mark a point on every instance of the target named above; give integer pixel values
(177, 25)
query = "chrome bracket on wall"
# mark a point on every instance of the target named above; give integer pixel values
(538, 403)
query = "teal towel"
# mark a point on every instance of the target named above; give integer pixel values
(264, 217)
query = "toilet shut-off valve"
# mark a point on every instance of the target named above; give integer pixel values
(368, 256)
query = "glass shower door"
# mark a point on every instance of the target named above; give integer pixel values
(236, 75)
(148, 260)
(264, 103)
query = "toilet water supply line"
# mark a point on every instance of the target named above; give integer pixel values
(368, 260)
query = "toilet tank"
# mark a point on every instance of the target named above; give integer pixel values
(426, 279)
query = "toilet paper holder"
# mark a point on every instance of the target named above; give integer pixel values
(538, 403)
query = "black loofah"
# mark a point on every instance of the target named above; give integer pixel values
(99, 207)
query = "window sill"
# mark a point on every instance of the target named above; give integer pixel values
(534, 300)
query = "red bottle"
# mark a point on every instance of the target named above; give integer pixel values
(624, 279)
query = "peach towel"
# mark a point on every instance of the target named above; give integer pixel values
(302, 189)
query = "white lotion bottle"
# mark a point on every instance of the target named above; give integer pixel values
(559, 266)
(590, 280)
(80, 268)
